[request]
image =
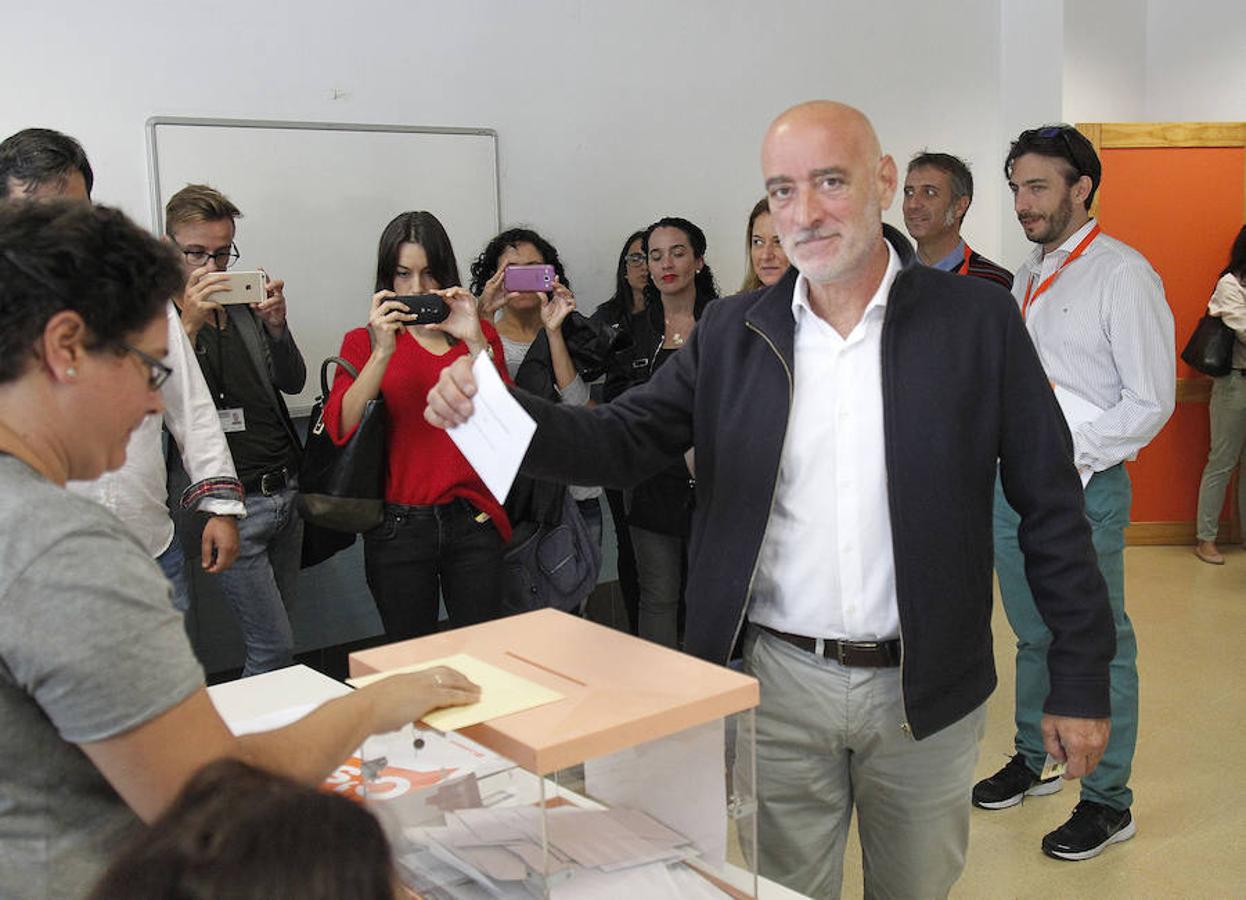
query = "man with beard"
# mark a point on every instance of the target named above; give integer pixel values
(937, 192)
(1096, 312)
(844, 473)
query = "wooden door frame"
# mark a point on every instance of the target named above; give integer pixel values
(1141, 135)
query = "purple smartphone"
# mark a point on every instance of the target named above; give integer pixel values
(528, 278)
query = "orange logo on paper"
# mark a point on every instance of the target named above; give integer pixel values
(390, 783)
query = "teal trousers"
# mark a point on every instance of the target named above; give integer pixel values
(1108, 497)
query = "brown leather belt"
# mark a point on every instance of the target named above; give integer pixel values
(864, 654)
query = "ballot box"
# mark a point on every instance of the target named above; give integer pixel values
(596, 765)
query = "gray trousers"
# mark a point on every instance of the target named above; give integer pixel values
(1228, 440)
(829, 739)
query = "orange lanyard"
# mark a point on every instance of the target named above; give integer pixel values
(1046, 283)
(964, 267)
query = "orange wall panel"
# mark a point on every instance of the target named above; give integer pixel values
(1181, 208)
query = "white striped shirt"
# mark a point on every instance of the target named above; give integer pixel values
(1103, 330)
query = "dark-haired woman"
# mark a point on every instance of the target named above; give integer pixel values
(443, 530)
(240, 832)
(550, 349)
(103, 711)
(1228, 407)
(660, 512)
(626, 314)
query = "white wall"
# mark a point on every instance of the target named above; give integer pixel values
(1105, 61)
(1196, 61)
(608, 114)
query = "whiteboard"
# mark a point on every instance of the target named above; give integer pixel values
(315, 197)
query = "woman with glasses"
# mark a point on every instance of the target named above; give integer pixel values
(659, 512)
(627, 314)
(767, 260)
(104, 711)
(1228, 408)
(551, 350)
(443, 531)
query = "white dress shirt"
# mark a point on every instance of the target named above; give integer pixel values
(137, 492)
(826, 568)
(1104, 331)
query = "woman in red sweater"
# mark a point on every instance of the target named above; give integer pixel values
(443, 531)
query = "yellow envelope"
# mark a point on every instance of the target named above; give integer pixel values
(501, 692)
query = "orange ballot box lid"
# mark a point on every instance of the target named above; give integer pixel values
(616, 690)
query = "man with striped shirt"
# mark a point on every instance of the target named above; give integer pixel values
(1096, 312)
(937, 192)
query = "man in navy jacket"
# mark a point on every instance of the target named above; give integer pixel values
(848, 423)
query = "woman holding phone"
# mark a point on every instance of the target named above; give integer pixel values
(551, 350)
(443, 530)
(659, 513)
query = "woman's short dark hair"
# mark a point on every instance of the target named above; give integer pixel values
(1237, 257)
(707, 287)
(67, 255)
(486, 264)
(240, 832)
(421, 228)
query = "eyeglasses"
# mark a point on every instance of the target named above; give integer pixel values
(223, 258)
(635, 259)
(157, 372)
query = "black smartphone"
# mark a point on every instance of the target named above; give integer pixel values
(425, 309)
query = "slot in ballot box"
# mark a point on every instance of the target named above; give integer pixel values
(631, 773)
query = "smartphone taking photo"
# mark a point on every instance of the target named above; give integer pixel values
(528, 278)
(240, 287)
(425, 309)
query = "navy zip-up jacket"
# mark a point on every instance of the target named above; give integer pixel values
(963, 393)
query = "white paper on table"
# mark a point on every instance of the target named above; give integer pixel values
(271, 720)
(497, 435)
(679, 780)
(1077, 411)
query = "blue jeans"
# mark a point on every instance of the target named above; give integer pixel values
(420, 552)
(261, 582)
(1108, 497)
(659, 570)
(173, 563)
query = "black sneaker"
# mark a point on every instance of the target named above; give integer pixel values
(1091, 829)
(1010, 784)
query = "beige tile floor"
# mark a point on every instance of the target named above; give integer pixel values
(1189, 776)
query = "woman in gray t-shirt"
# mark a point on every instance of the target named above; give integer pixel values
(103, 712)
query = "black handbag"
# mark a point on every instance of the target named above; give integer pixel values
(550, 565)
(342, 487)
(1210, 348)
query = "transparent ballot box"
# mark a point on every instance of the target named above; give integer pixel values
(633, 776)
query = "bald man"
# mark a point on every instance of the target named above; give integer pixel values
(847, 424)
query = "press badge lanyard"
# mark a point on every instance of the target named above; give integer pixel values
(220, 361)
(1046, 282)
(964, 267)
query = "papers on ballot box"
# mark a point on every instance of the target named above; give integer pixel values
(501, 692)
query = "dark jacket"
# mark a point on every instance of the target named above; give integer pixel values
(588, 344)
(962, 389)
